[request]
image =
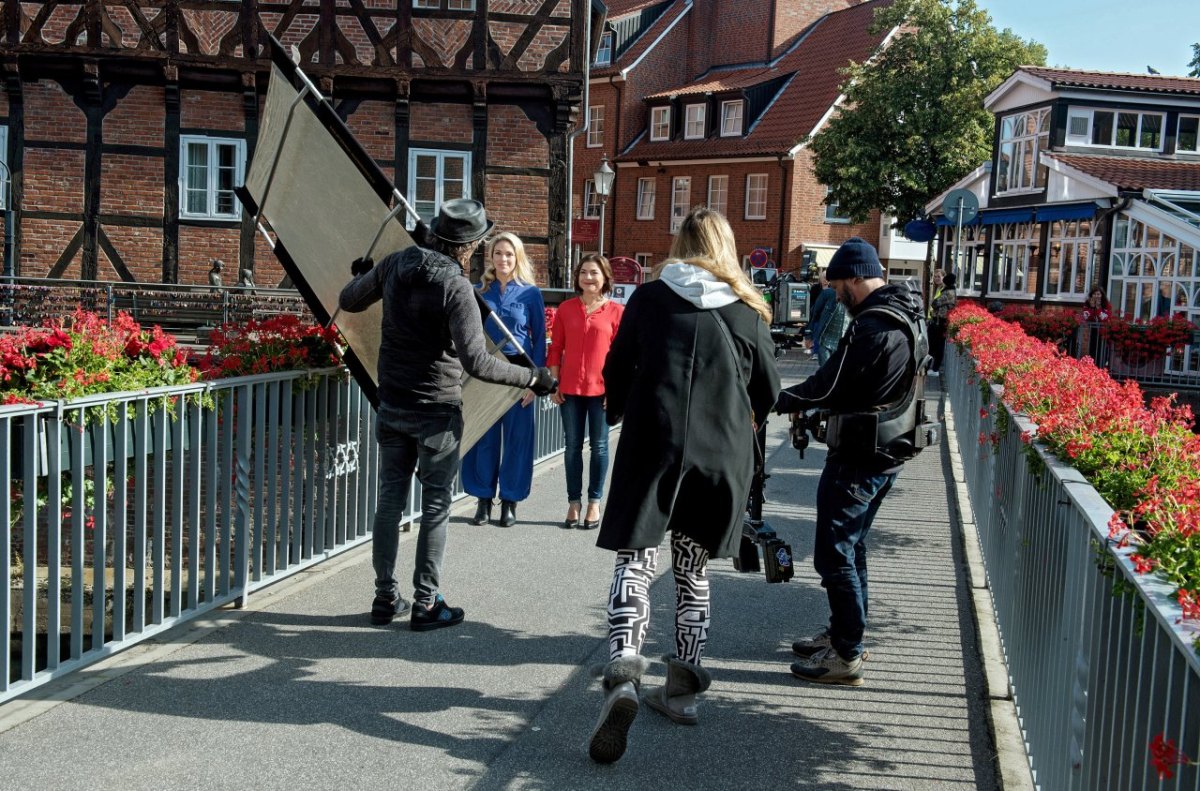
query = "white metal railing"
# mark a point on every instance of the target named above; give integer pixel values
(1098, 658)
(129, 513)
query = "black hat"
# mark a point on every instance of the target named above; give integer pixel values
(855, 258)
(461, 221)
(949, 280)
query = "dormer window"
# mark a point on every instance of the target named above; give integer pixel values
(1186, 140)
(1114, 129)
(604, 54)
(1023, 137)
(694, 127)
(660, 123)
(731, 118)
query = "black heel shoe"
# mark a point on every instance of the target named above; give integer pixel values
(590, 524)
(508, 513)
(483, 512)
(569, 523)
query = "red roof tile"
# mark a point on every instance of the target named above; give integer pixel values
(1155, 83)
(1131, 173)
(816, 62)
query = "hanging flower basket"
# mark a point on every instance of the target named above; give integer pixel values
(1140, 348)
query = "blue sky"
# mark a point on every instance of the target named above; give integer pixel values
(1103, 35)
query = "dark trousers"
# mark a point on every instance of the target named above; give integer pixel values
(847, 500)
(937, 344)
(578, 412)
(425, 441)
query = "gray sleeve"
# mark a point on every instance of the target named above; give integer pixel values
(365, 290)
(466, 330)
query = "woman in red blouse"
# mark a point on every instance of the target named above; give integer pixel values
(584, 328)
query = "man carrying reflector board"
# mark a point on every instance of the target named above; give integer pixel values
(431, 331)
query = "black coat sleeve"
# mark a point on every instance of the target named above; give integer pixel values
(763, 386)
(620, 367)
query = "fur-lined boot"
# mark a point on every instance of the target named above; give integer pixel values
(677, 698)
(622, 677)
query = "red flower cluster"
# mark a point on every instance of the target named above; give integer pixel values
(1139, 341)
(550, 314)
(1166, 756)
(84, 354)
(1145, 461)
(1050, 325)
(280, 343)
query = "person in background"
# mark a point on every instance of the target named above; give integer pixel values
(584, 328)
(503, 457)
(1096, 310)
(431, 331)
(819, 315)
(814, 293)
(939, 318)
(691, 371)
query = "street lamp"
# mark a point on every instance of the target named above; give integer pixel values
(603, 176)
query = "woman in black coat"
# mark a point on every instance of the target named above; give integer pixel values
(691, 372)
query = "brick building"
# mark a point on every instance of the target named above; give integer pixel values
(126, 126)
(704, 102)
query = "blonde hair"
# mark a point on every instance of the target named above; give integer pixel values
(522, 273)
(705, 240)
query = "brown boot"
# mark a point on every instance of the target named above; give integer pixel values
(677, 698)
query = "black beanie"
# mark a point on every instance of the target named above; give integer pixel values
(855, 258)
(949, 280)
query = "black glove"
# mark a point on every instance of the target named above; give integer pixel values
(421, 235)
(360, 266)
(544, 382)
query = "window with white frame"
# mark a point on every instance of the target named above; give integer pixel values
(756, 196)
(1023, 137)
(595, 135)
(460, 5)
(427, 4)
(604, 53)
(645, 199)
(718, 193)
(833, 212)
(731, 118)
(591, 201)
(693, 128)
(681, 200)
(1186, 141)
(972, 256)
(1071, 259)
(1012, 246)
(660, 123)
(1087, 126)
(436, 176)
(644, 260)
(209, 170)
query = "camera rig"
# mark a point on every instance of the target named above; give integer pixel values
(756, 533)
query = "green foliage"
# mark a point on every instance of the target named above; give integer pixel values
(913, 122)
(1194, 66)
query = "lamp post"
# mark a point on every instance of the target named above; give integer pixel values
(6, 196)
(603, 176)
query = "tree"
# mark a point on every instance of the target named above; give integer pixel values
(1194, 66)
(913, 121)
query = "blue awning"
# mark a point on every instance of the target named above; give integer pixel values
(1067, 211)
(998, 216)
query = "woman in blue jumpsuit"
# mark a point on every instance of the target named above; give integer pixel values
(503, 457)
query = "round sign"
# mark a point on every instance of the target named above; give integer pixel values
(625, 269)
(758, 258)
(919, 230)
(960, 206)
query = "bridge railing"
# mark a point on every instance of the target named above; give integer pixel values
(1099, 659)
(129, 513)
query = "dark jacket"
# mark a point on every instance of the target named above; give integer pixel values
(871, 368)
(431, 329)
(686, 454)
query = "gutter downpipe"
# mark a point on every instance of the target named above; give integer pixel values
(783, 214)
(572, 137)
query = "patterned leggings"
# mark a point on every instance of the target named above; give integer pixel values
(629, 599)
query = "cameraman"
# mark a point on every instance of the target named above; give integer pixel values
(872, 368)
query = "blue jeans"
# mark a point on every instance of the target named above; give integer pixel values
(577, 410)
(426, 441)
(847, 501)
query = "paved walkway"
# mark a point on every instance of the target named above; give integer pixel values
(298, 691)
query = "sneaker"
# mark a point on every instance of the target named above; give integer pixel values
(827, 667)
(439, 616)
(807, 646)
(386, 608)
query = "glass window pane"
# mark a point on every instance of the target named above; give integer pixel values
(426, 166)
(1151, 136)
(452, 167)
(197, 201)
(1127, 125)
(1102, 128)
(426, 189)
(1188, 129)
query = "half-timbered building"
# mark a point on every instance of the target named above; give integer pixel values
(127, 125)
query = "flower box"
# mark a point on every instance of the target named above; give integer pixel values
(1140, 367)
